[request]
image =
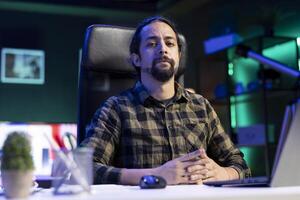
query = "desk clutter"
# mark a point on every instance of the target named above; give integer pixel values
(70, 165)
(178, 192)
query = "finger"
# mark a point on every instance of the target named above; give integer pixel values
(182, 172)
(209, 179)
(189, 163)
(184, 180)
(195, 168)
(204, 161)
(190, 156)
(203, 153)
(198, 182)
(195, 178)
(209, 165)
(198, 166)
(209, 174)
(187, 172)
(202, 172)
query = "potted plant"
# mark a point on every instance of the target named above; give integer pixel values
(17, 166)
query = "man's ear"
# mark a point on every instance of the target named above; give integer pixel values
(135, 59)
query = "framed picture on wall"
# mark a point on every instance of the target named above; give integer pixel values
(22, 66)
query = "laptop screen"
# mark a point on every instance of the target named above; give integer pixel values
(286, 123)
(286, 170)
(41, 151)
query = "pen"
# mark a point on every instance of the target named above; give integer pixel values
(69, 141)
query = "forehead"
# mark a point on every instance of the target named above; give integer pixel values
(157, 29)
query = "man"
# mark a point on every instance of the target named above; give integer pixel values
(157, 127)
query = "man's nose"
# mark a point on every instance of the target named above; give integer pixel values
(162, 49)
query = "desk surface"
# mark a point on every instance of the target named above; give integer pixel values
(184, 192)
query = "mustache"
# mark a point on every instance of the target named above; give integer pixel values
(163, 59)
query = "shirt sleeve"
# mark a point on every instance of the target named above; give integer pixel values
(103, 135)
(221, 149)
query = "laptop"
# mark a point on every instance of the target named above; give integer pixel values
(285, 171)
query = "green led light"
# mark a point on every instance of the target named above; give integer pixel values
(245, 70)
(247, 154)
(232, 112)
(254, 157)
(230, 69)
(298, 41)
(299, 64)
(284, 53)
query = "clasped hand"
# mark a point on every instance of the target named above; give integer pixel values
(193, 168)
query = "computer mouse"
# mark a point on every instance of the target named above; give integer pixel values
(152, 182)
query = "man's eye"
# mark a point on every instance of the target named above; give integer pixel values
(151, 44)
(170, 44)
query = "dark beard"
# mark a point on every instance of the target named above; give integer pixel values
(162, 75)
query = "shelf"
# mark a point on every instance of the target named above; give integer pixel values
(256, 145)
(248, 96)
(269, 41)
(270, 94)
(262, 105)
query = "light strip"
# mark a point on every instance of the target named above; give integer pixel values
(230, 69)
(67, 10)
(298, 41)
(233, 112)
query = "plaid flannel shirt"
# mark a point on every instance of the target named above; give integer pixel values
(134, 130)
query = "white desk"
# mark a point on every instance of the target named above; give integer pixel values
(184, 192)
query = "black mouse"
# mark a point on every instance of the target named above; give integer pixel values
(152, 182)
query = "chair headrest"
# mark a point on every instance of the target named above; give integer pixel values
(106, 49)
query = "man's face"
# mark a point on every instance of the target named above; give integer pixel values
(159, 52)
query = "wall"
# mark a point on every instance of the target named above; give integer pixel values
(60, 37)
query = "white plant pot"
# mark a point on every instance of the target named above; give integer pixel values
(17, 184)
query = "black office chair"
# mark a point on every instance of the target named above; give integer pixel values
(105, 69)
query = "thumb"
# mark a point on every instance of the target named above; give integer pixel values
(203, 153)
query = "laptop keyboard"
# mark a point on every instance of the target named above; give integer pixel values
(255, 181)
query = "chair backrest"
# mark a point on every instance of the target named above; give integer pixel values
(105, 69)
